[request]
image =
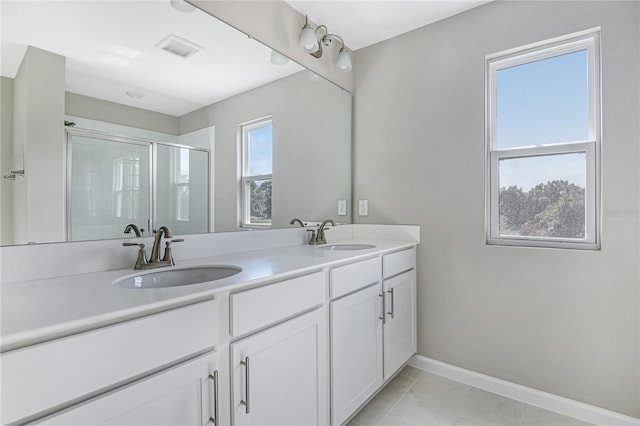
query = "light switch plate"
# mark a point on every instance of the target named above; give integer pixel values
(342, 207)
(363, 207)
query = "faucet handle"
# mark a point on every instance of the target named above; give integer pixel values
(142, 255)
(168, 256)
(141, 245)
(312, 240)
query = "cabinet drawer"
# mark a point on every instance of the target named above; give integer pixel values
(349, 278)
(182, 395)
(259, 307)
(395, 263)
(52, 375)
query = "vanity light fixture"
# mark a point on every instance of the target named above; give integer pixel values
(310, 43)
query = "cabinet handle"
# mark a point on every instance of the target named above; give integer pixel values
(381, 295)
(246, 384)
(392, 304)
(216, 416)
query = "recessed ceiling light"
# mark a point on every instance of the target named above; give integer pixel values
(278, 58)
(314, 77)
(134, 94)
(182, 6)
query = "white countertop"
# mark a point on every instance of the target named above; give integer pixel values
(40, 310)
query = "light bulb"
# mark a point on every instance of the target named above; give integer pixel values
(343, 63)
(308, 40)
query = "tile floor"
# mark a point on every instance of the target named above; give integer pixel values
(415, 397)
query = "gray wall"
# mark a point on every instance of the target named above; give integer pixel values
(6, 160)
(312, 153)
(111, 112)
(38, 147)
(562, 321)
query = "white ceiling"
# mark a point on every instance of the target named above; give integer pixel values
(362, 23)
(110, 49)
(110, 45)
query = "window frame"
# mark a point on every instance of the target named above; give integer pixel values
(588, 40)
(245, 177)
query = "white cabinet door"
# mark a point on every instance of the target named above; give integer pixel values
(182, 395)
(279, 376)
(356, 350)
(400, 323)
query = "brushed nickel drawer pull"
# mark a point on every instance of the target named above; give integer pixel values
(381, 295)
(216, 415)
(392, 304)
(245, 402)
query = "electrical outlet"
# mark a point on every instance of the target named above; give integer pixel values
(342, 207)
(363, 207)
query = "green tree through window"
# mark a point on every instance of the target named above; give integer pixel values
(552, 209)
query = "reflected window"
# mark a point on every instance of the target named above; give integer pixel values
(257, 169)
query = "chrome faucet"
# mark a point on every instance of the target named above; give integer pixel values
(154, 261)
(320, 239)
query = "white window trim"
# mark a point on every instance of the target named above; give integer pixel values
(585, 40)
(245, 178)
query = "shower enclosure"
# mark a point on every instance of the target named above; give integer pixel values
(114, 180)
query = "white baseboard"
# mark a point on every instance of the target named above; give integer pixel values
(548, 401)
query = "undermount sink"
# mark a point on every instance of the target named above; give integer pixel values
(178, 277)
(340, 247)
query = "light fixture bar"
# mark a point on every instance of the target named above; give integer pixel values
(310, 43)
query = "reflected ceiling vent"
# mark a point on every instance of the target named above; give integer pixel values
(178, 46)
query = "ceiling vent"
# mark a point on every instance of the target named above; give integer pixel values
(178, 46)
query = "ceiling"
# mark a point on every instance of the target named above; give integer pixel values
(110, 46)
(362, 23)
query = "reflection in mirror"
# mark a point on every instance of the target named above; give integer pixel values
(116, 180)
(158, 105)
(110, 185)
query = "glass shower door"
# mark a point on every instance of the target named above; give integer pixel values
(109, 186)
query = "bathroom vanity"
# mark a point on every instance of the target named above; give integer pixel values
(302, 335)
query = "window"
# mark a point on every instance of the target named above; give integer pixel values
(543, 144)
(257, 160)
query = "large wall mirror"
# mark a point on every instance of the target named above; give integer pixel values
(125, 112)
